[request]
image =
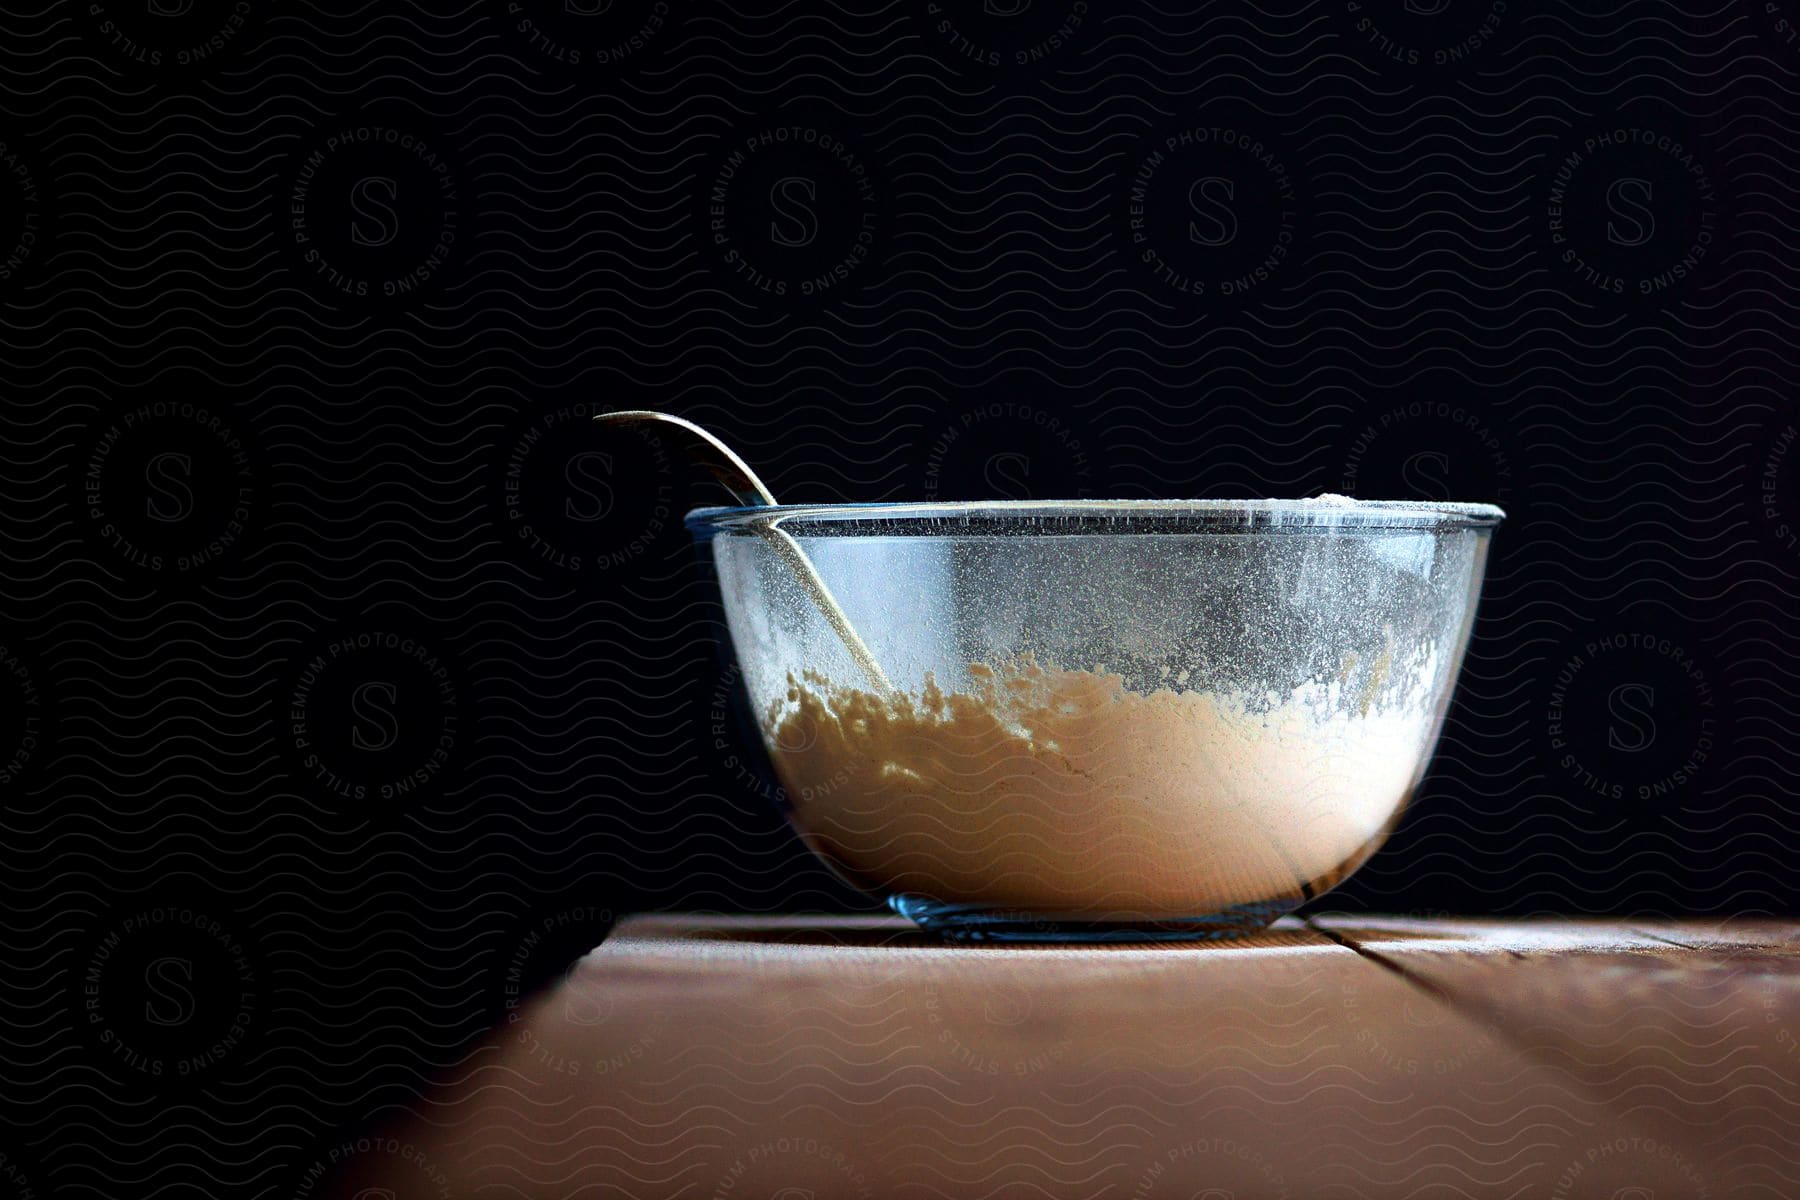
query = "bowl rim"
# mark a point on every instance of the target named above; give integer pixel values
(1327, 512)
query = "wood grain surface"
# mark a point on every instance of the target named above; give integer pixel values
(704, 1057)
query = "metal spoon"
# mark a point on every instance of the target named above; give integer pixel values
(708, 451)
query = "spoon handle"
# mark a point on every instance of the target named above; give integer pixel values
(724, 465)
(705, 450)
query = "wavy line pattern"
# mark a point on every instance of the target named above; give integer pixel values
(350, 688)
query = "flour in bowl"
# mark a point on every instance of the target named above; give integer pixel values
(1064, 791)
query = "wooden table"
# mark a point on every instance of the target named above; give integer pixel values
(1344, 1057)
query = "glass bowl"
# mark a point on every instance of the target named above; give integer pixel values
(1100, 720)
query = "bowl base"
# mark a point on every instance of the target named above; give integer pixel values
(984, 923)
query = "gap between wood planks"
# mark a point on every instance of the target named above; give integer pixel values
(1490, 1017)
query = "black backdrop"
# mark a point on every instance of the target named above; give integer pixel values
(351, 683)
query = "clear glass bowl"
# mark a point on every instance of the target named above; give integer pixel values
(1103, 719)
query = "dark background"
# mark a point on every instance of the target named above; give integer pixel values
(361, 684)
